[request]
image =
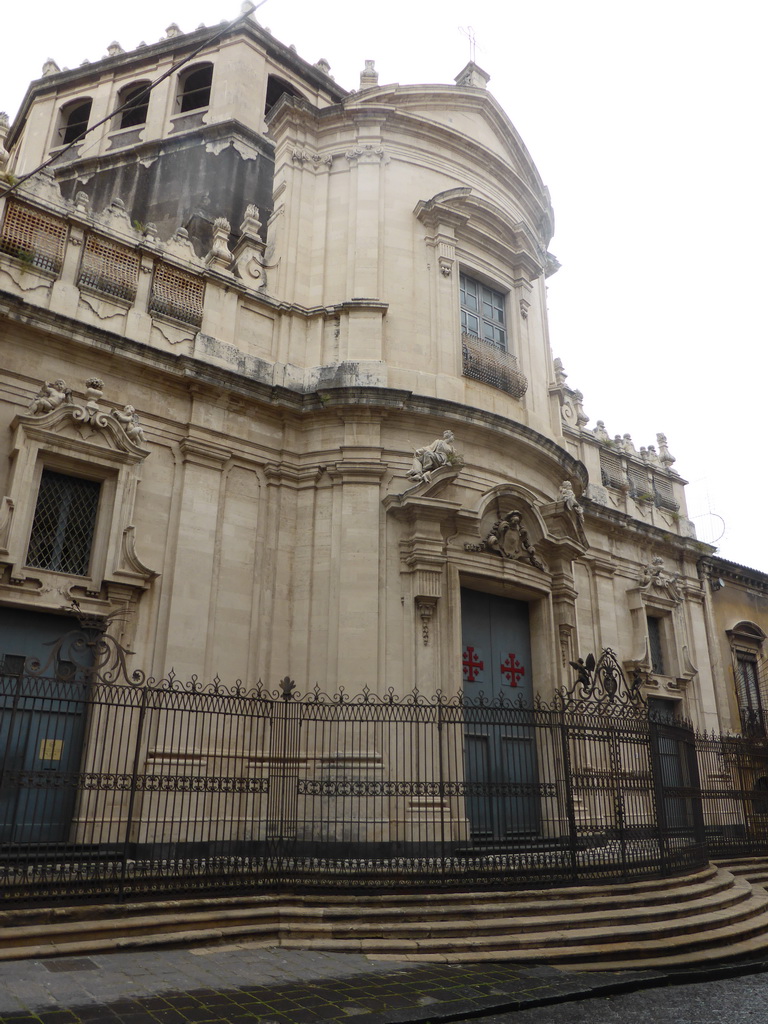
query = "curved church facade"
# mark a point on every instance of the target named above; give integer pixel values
(279, 399)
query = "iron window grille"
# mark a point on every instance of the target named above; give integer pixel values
(109, 268)
(493, 366)
(64, 523)
(639, 487)
(657, 646)
(750, 700)
(33, 237)
(611, 472)
(663, 495)
(177, 295)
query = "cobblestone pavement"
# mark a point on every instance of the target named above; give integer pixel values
(251, 985)
(740, 1000)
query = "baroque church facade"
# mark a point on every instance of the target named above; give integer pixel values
(278, 399)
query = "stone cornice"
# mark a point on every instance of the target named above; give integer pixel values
(219, 131)
(404, 129)
(174, 48)
(601, 517)
(188, 370)
(742, 574)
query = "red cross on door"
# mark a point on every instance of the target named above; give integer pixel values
(471, 664)
(512, 669)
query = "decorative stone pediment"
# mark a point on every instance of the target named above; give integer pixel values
(487, 225)
(656, 581)
(55, 411)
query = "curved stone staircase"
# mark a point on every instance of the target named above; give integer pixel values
(709, 915)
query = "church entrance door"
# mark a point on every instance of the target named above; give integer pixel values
(41, 731)
(499, 742)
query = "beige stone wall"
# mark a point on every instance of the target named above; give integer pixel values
(241, 65)
(273, 514)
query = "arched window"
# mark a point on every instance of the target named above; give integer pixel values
(135, 99)
(749, 669)
(195, 87)
(74, 121)
(277, 87)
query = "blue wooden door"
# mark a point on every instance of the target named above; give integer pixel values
(41, 731)
(499, 741)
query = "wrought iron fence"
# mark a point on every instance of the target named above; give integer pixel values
(117, 785)
(734, 791)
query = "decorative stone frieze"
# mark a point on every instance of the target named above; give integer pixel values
(367, 154)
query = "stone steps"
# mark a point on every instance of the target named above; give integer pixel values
(753, 868)
(709, 914)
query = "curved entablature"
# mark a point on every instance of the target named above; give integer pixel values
(489, 228)
(477, 152)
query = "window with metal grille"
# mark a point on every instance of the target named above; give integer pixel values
(663, 495)
(491, 365)
(657, 647)
(482, 312)
(748, 688)
(638, 482)
(137, 99)
(177, 294)
(13, 664)
(195, 88)
(109, 268)
(33, 236)
(74, 121)
(64, 523)
(611, 472)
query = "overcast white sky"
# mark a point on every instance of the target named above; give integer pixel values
(648, 123)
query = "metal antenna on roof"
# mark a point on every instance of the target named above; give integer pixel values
(469, 32)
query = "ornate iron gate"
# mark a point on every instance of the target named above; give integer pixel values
(183, 786)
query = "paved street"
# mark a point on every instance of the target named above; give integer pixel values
(246, 985)
(741, 1000)
(243, 984)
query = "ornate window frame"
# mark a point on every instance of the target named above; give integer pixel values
(79, 439)
(660, 595)
(747, 642)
